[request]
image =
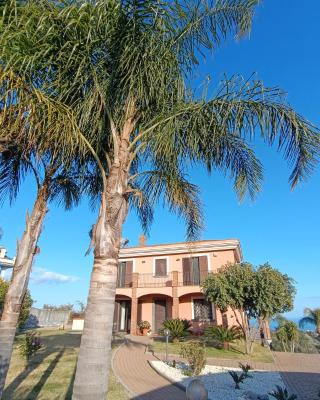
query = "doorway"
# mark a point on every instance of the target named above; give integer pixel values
(160, 313)
(122, 316)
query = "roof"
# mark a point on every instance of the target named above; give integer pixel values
(182, 247)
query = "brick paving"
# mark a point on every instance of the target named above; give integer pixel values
(130, 365)
(300, 372)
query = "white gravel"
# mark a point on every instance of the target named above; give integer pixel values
(219, 383)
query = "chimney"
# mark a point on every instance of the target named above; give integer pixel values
(3, 252)
(142, 240)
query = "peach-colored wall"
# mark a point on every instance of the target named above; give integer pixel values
(146, 308)
(154, 291)
(145, 265)
(124, 292)
(185, 310)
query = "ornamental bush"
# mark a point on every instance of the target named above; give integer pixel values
(223, 335)
(195, 354)
(30, 345)
(178, 328)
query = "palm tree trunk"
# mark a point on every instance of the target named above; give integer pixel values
(19, 283)
(91, 380)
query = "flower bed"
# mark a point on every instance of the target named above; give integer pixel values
(219, 383)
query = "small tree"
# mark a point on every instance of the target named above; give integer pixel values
(288, 335)
(251, 294)
(25, 307)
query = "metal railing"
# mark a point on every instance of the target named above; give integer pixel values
(151, 280)
(124, 281)
(191, 279)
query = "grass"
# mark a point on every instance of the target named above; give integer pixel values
(50, 373)
(260, 353)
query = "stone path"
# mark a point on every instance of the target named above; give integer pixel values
(131, 367)
(300, 372)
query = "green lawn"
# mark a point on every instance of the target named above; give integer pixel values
(50, 373)
(236, 351)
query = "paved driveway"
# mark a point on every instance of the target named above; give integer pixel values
(301, 373)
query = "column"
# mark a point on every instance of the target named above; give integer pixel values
(175, 298)
(134, 304)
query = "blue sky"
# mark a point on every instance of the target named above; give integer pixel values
(280, 226)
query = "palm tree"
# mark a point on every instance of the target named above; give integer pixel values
(53, 183)
(312, 317)
(124, 69)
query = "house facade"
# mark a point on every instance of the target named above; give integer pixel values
(157, 282)
(6, 263)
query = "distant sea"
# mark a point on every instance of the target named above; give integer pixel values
(307, 327)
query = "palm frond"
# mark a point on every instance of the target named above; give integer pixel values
(200, 24)
(247, 108)
(13, 169)
(26, 112)
(177, 193)
(65, 190)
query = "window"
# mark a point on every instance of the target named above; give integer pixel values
(160, 267)
(195, 269)
(124, 278)
(202, 310)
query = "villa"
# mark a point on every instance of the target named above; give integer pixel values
(157, 282)
(5, 262)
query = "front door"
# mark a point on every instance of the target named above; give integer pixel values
(160, 313)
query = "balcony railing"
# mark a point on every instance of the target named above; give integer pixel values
(124, 281)
(191, 279)
(153, 281)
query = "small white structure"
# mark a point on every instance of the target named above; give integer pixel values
(77, 324)
(6, 263)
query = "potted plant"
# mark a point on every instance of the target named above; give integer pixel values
(144, 327)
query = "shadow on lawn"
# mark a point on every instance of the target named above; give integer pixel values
(52, 343)
(70, 387)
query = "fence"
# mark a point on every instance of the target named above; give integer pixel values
(40, 317)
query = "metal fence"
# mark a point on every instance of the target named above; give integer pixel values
(43, 317)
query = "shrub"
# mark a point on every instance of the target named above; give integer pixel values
(237, 378)
(195, 354)
(25, 307)
(144, 325)
(30, 345)
(245, 369)
(178, 328)
(223, 335)
(282, 394)
(240, 377)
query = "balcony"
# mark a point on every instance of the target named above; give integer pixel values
(153, 281)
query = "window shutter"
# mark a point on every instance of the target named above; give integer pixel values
(161, 267)
(186, 267)
(203, 264)
(129, 271)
